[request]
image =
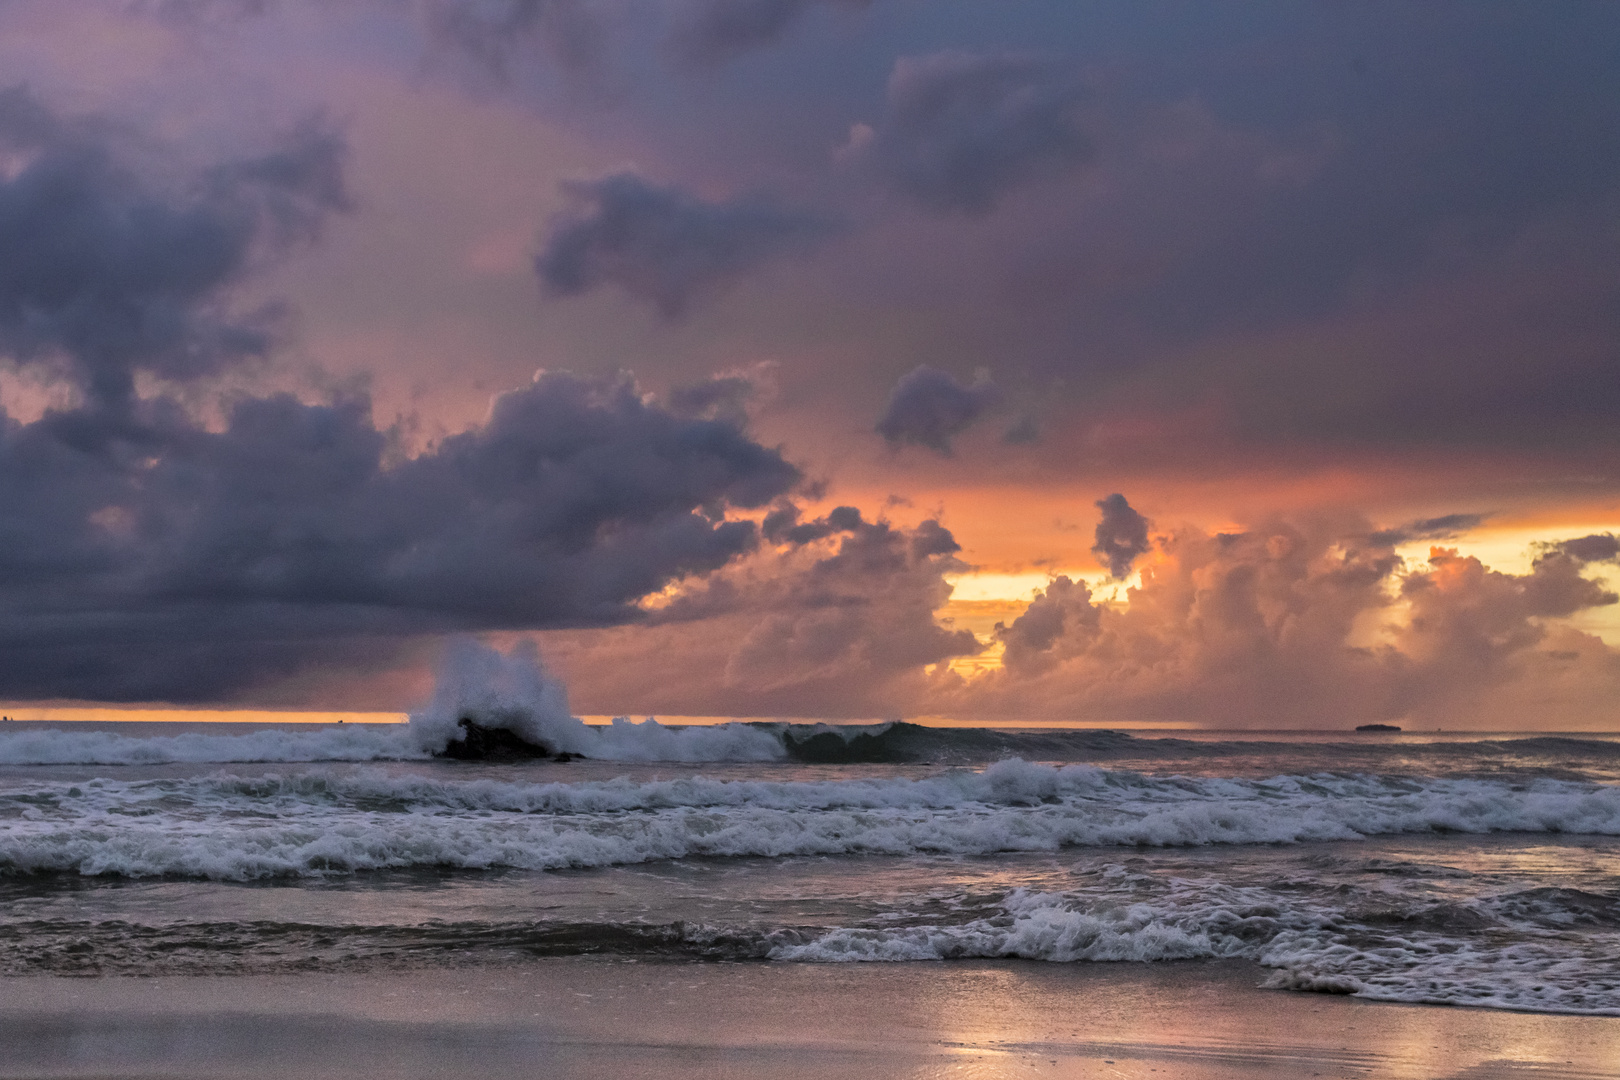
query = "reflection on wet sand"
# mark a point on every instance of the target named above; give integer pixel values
(584, 1018)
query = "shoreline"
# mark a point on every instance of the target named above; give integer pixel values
(590, 1017)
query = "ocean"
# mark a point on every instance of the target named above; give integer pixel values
(1439, 868)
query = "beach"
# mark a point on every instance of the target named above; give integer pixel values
(257, 901)
(588, 1018)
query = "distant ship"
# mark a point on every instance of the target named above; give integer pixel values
(1377, 727)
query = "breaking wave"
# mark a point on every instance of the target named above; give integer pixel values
(1487, 954)
(237, 828)
(1540, 949)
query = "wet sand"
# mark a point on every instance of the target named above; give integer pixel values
(592, 1018)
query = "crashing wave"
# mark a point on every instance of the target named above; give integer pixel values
(246, 828)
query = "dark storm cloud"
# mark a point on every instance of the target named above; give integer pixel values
(1023, 432)
(494, 33)
(160, 573)
(106, 270)
(1599, 547)
(959, 128)
(145, 555)
(1409, 196)
(1445, 527)
(782, 524)
(727, 395)
(1122, 535)
(712, 31)
(928, 407)
(665, 246)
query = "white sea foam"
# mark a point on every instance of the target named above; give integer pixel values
(1190, 921)
(240, 828)
(1313, 947)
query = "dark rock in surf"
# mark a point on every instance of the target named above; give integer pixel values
(1377, 727)
(480, 743)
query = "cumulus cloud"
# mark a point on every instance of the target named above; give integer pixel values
(1307, 624)
(727, 395)
(1122, 535)
(928, 407)
(1062, 611)
(665, 246)
(107, 270)
(960, 129)
(713, 31)
(1285, 624)
(199, 563)
(147, 555)
(833, 617)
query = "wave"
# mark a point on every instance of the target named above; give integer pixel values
(236, 828)
(24, 744)
(215, 947)
(1510, 951)
(623, 740)
(1311, 946)
(894, 742)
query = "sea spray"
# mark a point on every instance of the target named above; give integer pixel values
(508, 692)
(513, 692)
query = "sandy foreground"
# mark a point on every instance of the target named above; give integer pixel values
(596, 1018)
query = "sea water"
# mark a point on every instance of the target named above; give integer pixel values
(1447, 868)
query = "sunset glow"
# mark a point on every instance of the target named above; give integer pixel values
(809, 539)
(1029, 362)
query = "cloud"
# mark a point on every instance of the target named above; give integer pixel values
(108, 269)
(727, 395)
(1446, 527)
(1467, 618)
(492, 32)
(1024, 431)
(1062, 611)
(960, 129)
(1288, 624)
(1306, 624)
(195, 564)
(834, 618)
(1122, 535)
(149, 557)
(665, 246)
(713, 31)
(1599, 547)
(928, 407)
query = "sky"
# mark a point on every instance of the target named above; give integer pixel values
(1109, 363)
